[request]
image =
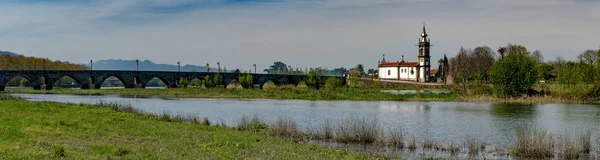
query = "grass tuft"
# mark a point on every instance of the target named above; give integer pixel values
(396, 139)
(285, 127)
(59, 151)
(475, 146)
(326, 130)
(358, 130)
(205, 122)
(255, 124)
(412, 144)
(121, 151)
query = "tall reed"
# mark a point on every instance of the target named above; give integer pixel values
(533, 143)
(358, 130)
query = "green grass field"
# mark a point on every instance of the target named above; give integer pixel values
(31, 130)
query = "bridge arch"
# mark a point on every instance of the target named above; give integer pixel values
(35, 81)
(124, 83)
(51, 82)
(156, 82)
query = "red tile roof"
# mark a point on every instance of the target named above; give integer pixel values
(399, 64)
(433, 71)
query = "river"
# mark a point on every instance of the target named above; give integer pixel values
(494, 123)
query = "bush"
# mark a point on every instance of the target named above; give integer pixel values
(314, 80)
(208, 82)
(513, 75)
(333, 83)
(218, 79)
(182, 82)
(246, 80)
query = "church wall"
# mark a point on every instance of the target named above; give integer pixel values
(405, 74)
(388, 72)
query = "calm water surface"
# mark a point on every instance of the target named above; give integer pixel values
(443, 121)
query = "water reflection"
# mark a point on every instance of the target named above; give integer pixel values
(512, 110)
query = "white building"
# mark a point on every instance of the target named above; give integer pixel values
(409, 71)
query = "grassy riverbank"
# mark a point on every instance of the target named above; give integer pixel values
(278, 93)
(52, 131)
(551, 94)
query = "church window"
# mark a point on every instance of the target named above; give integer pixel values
(412, 72)
(389, 72)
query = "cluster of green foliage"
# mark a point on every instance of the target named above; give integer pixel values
(182, 82)
(282, 68)
(513, 75)
(210, 82)
(313, 80)
(333, 83)
(246, 80)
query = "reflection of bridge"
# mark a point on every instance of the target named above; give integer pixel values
(95, 78)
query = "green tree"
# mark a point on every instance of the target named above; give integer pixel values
(354, 78)
(182, 82)
(314, 79)
(446, 68)
(246, 80)
(277, 67)
(208, 82)
(333, 83)
(218, 79)
(513, 75)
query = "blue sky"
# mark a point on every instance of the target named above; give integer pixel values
(302, 33)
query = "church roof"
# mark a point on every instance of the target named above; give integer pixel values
(433, 71)
(399, 64)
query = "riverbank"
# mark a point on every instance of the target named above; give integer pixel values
(475, 94)
(33, 130)
(277, 93)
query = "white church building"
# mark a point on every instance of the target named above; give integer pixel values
(409, 71)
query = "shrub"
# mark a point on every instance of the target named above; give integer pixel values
(513, 75)
(314, 80)
(182, 82)
(208, 82)
(218, 79)
(246, 80)
(333, 83)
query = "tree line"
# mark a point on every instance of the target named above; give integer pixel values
(8, 62)
(513, 69)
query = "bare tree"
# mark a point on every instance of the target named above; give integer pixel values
(588, 57)
(537, 55)
(483, 59)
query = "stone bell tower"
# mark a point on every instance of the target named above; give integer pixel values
(424, 57)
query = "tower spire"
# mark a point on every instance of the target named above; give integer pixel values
(424, 33)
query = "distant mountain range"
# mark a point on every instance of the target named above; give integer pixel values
(9, 53)
(146, 65)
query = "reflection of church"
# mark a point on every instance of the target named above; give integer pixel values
(409, 71)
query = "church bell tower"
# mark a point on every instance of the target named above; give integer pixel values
(424, 57)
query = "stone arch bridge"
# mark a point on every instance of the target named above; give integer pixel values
(85, 78)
